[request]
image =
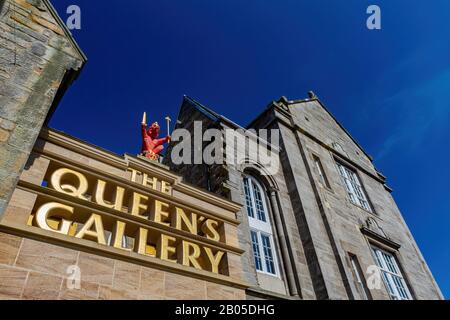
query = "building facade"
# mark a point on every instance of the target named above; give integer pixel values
(79, 222)
(325, 223)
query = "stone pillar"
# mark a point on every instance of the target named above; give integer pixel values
(292, 283)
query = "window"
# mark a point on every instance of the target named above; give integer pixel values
(359, 278)
(321, 172)
(354, 188)
(392, 277)
(256, 251)
(261, 229)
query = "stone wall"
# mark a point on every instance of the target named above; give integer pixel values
(334, 221)
(38, 60)
(35, 270)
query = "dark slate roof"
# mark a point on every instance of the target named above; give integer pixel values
(209, 112)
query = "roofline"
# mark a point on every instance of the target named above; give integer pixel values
(284, 100)
(66, 30)
(218, 117)
(215, 116)
(340, 125)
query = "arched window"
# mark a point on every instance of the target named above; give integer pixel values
(260, 228)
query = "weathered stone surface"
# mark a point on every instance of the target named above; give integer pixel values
(40, 286)
(11, 282)
(126, 276)
(181, 287)
(152, 282)
(9, 248)
(87, 291)
(31, 72)
(96, 269)
(45, 257)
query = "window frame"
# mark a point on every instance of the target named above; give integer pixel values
(259, 227)
(387, 275)
(359, 278)
(350, 189)
(320, 170)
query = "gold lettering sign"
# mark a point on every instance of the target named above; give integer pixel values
(175, 232)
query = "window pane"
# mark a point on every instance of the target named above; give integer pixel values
(389, 284)
(259, 203)
(392, 276)
(248, 199)
(268, 256)
(389, 262)
(256, 252)
(354, 189)
(400, 287)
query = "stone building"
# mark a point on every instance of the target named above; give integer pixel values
(320, 226)
(80, 222)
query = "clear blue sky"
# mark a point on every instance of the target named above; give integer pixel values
(389, 88)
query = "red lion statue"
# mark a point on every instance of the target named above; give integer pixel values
(151, 145)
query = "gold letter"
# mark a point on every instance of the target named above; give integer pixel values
(43, 214)
(98, 233)
(153, 181)
(214, 260)
(137, 205)
(118, 235)
(57, 178)
(209, 229)
(165, 187)
(165, 249)
(159, 213)
(133, 174)
(181, 219)
(187, 258)
(142, 246)
(118, 197)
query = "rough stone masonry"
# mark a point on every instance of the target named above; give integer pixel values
(38, 61)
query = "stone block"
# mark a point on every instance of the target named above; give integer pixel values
(12, 281)
(126, 276)
(96, 269)
(40, 286)
(216, 291)
(108, 293)
(152, 282)
(87, 291)
(43, 257)
(180, 287)
(9, 248)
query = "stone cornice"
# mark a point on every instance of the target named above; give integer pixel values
(105, 156)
